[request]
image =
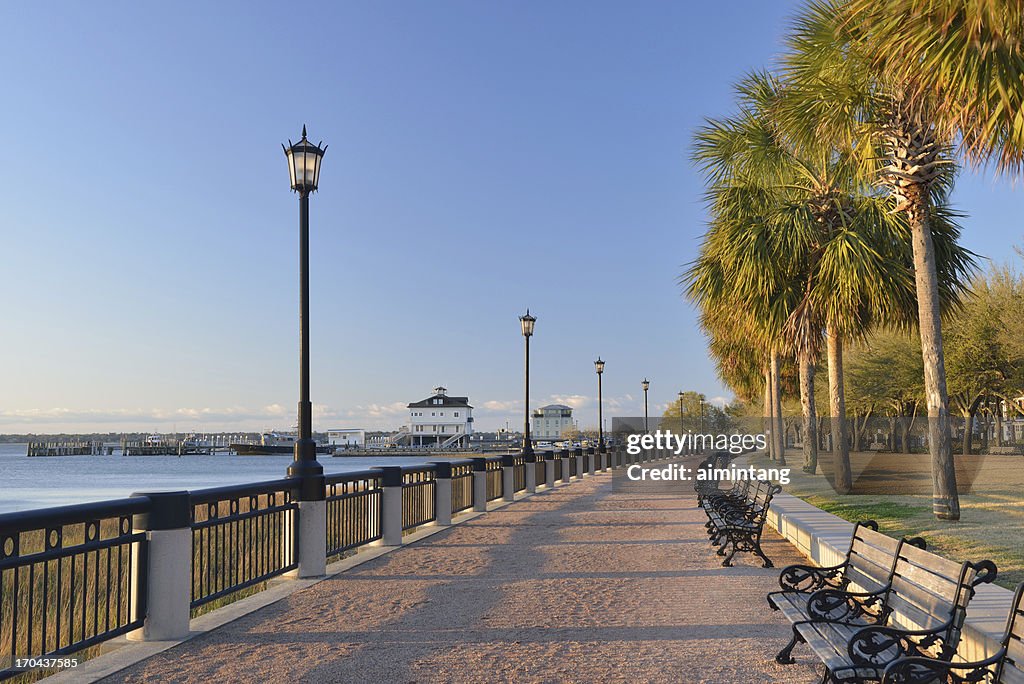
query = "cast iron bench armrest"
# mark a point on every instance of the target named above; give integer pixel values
(869, 646)
(921, 670)
(794, 577)
(822, 604)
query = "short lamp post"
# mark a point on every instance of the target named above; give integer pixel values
(304, 169)
(682, 427)
(527, 322)
(599, 367)
(646, 384)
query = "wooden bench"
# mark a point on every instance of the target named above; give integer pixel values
(920, 612)
(1006, 666)
(868, 567)
(738, 521)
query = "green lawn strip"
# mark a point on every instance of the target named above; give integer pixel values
(991, 526)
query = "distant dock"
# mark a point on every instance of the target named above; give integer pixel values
(67, 448)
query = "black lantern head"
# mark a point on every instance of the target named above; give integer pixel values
(646, 384)
(527, 322)
(599, 365)
(304, 164)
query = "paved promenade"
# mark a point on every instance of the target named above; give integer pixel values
(575, 585)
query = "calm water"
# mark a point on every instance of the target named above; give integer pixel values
(54, 481)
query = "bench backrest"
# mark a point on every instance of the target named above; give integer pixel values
(1010, 669)
(930, 592)
(871, 558)
(761, 497)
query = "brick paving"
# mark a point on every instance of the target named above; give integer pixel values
(580, 584)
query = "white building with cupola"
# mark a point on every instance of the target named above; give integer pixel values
(440, 421)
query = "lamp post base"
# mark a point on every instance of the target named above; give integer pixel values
(308, 470)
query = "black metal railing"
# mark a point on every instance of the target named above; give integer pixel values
(495, 485)
(241, 535)
(462, 486)
(518, 474)
(558, 469)
(540, 473)
(70, 577)
(574, 466)
(418, 504)
(353, 510)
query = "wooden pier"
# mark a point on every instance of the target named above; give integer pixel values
(64, 448)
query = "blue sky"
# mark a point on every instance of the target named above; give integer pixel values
(484, 157)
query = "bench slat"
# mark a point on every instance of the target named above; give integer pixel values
(937, 565)
(939, 585)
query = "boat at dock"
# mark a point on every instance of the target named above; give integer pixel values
(273, 443)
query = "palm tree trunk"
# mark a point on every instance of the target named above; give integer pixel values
(779, 430)
(945, 500)
(810, 418)
(767, 421)
(837, 407)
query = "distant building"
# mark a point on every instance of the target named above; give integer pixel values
(439, 421)
(551, 421)
(347, 438)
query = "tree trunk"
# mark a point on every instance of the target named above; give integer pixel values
(810, 433)
(837, 407)
(780, 431)
(968, 432)
(945, 500)
(999, 423)
(769, 433)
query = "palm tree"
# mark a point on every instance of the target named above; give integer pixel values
(836, 255)
(963, 60)
(846, 98)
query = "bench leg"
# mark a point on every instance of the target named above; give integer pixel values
(758, 552)
(785, 656)
(727, 563)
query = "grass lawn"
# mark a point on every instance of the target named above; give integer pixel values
(895, 491)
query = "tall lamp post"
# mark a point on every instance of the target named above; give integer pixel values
(646, 384)
(304, 168)
(527, 322)
(702, 415)
(599, 367)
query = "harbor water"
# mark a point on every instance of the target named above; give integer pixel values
(27, 483)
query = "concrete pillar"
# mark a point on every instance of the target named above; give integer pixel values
(578, 455)
(549, 469)
(531, 472)
(565, 455)
(443, 492)
(391, 506)
(480, 484)
(168, 568)
(312, 533)
(591, 460)
(508, 478)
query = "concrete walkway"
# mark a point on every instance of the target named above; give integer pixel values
(575, 585)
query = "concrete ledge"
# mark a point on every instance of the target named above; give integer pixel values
(825, 539)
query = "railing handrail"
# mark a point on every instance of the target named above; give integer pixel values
(351, 476)
(200, 496)
(38, 518)
(410, 468)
